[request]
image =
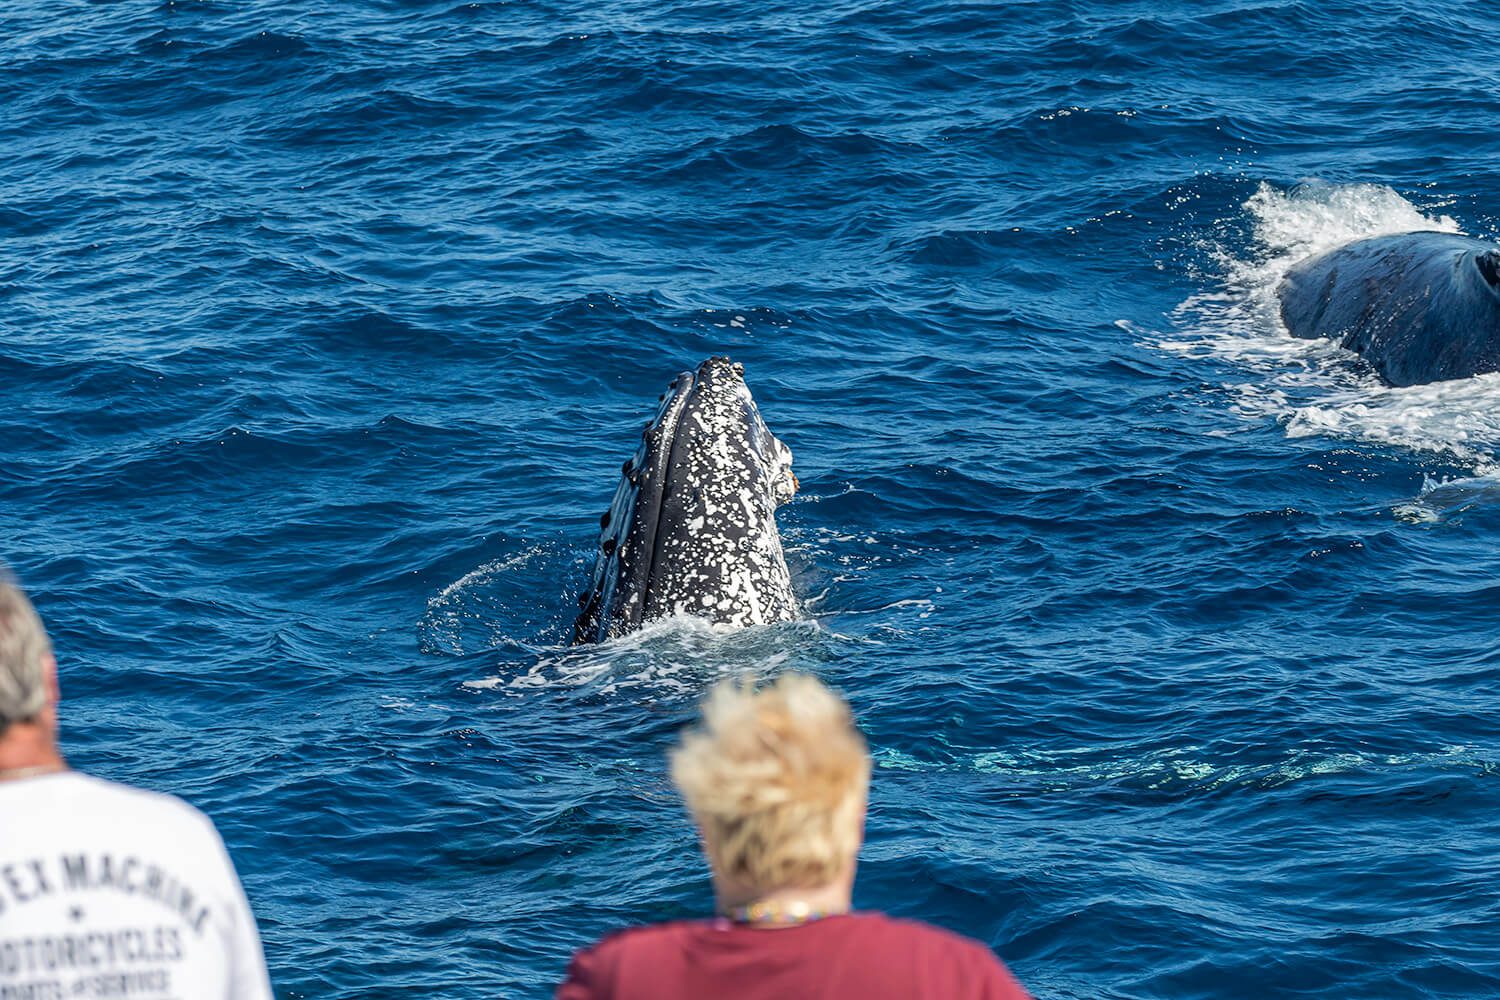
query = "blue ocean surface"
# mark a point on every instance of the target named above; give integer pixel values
(324, 330)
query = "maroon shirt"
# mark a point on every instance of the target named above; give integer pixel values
(857, 956)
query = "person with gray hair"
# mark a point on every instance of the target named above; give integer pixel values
(106, 890)
(25, 659)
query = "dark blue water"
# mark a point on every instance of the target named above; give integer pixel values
(324, 329)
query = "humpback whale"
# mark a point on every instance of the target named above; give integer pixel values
(692, 528)
(1420, 307)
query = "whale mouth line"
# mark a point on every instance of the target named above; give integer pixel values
(653, 465)
(670, 448)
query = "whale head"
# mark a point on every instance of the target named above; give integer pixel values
(692, 528)
(1420, 307)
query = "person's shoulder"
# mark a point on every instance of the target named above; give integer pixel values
(939, 948)
(596, 966)
(143, 798)
(127, 802)
(874, 923)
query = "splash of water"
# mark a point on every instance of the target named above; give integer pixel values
(676, 655)
(1314, 387)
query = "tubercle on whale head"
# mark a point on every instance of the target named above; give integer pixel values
(719, 368)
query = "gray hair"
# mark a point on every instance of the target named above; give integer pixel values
(24, 652)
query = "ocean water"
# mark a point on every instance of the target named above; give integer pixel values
(324, 329)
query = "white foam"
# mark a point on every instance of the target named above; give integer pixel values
(1070, 769)
(681, 654)
(1312, 387)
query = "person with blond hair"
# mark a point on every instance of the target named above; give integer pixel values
(776, 780)
(107, 890)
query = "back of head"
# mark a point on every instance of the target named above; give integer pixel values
(24, 653)
(776, 780)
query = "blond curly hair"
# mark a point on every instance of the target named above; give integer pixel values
(776, 779)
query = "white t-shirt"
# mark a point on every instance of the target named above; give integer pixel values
(109, 891)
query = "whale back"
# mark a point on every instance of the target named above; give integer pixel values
(1420, 307)
(692, 527)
